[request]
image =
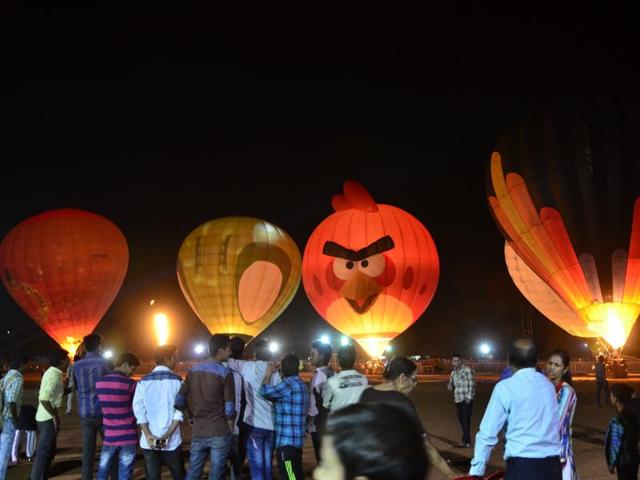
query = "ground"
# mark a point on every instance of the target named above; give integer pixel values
(435, 406)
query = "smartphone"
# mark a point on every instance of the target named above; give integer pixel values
(160, 443)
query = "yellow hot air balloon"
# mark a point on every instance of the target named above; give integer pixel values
(238, 274)
(562, 187)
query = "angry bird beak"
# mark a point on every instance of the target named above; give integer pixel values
(361, 292)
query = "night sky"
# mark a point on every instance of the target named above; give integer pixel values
(161, 120)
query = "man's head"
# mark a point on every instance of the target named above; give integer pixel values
(289, 365)
(127, 363)
(219, 348)
(601, 358)
(18, 362)
(523, 354)
(346, 357)
(59, 359)
(93, 343)
(320, 353)
(261, 350)
(165, 356)
(456, 360)
(237, 347)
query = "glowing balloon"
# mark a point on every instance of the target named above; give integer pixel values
(369, 269)
(563, 188)
(238, 274)
(64, 268)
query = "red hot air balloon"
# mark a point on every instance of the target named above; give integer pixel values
(369, 269)
(64, 268)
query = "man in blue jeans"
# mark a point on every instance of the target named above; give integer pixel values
(86, 372)
(258, 414)
(208, 396)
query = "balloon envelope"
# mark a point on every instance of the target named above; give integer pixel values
(64, 268)
(369, 269)
(238, 274)
(563, 188)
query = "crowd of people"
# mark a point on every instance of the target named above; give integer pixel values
(253, 410)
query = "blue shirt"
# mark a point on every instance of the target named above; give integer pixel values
(291, 398)
(86, 373)
(527, 402)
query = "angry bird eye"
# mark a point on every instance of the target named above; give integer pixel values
(373, 266)
(343, 268)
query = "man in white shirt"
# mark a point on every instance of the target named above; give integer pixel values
(159, 420)
(527, 402)
(317, 415)
(239, 437)
(258, 414)
(344, 388)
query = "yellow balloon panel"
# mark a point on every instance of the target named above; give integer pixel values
(238, 273)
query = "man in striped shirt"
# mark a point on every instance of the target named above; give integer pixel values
(115, 395)
(86, 373)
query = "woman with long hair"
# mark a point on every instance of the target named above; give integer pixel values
(400, 378)
(559, 374)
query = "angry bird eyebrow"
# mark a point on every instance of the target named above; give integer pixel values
(381, 245)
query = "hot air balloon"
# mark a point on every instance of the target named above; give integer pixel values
(238, 274)
(64, 268)
(369, 269)
(563, 188)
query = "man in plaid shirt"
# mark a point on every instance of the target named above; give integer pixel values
(11, 386)
(291, 399)
(463, 384)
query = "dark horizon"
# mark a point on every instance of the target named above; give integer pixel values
(163, 120)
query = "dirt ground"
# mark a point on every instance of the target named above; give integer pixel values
(435, 406)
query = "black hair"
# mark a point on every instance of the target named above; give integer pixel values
(18, 360)
(163, 354)
(289, 365)
(456, 354)
(92, 342)
(218, 342)
(523, 354)
(601, 358)
(237, 347)
(261, 350)
(346, 357)
(564, 356)
(324, 349)
(622, 392)
(128, 358)
(56, 357)
(397, 367)
(378, 441)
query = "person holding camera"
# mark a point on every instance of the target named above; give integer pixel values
(159, 420)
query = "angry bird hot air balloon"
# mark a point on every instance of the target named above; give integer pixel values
(564, 189)
(238, 274)
(369, 269)
(64, 268)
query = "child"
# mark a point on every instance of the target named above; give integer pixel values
(621, 441)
